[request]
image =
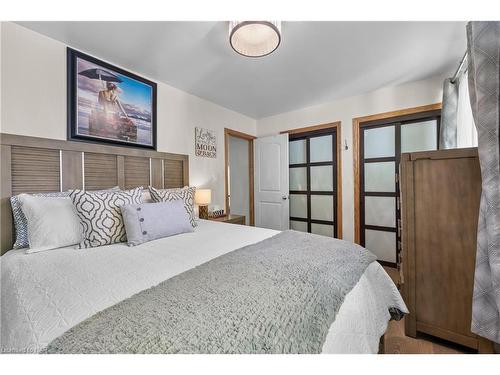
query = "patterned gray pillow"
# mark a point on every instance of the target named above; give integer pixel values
(100, 216)
(186, 194)
(20, 222)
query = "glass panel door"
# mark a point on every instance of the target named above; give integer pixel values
(419, 136)
(379, 156)
(313, 182)
(381, 145)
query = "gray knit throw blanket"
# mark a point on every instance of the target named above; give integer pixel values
(279, 295)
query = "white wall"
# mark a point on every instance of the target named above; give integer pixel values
(33, 98)
(383, 100)
(239, 179)
(33, 102)
(0, 77)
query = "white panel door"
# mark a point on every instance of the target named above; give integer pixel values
(271, 182)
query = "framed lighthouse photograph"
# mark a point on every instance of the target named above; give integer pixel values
(107, 104)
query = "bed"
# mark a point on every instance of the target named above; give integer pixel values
(47, 294)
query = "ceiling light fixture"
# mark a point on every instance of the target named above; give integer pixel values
(254, 38)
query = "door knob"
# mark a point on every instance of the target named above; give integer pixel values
(284, 197)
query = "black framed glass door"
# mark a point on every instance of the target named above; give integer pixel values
(381, 145)
(313, 182)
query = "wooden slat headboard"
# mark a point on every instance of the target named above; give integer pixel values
(30, 165)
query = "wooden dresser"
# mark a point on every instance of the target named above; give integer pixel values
(233, 219)
(440, 194)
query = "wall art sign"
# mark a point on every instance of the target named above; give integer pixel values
(107, 104)
(205, 143)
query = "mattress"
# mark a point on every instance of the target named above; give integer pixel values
(44, 294)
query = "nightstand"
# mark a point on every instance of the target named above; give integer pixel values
(233, 219)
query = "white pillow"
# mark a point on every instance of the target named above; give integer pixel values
(52, 222)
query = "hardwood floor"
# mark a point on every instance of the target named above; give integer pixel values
(396, 342)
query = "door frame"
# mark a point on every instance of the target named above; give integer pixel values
(337, 125)
(247, 137)
(356, 130)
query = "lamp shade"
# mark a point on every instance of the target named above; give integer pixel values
(203, 197)
(254, 38)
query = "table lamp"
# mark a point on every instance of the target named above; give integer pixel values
(203, 198)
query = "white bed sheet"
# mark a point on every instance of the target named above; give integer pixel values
(44, 294)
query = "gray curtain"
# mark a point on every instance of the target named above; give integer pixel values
(448, 126)
(483, 48)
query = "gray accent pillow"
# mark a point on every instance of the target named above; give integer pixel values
(185, 194)
(100, 216)
(20, 222)
(151, 221)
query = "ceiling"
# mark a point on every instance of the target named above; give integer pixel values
(316, 62)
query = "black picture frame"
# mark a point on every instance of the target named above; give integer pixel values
(72, 104)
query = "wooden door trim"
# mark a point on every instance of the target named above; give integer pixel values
(312, 128)
(247, 137)
(337, 125)
(356, 127)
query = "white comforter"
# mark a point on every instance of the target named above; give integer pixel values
(44, 294)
